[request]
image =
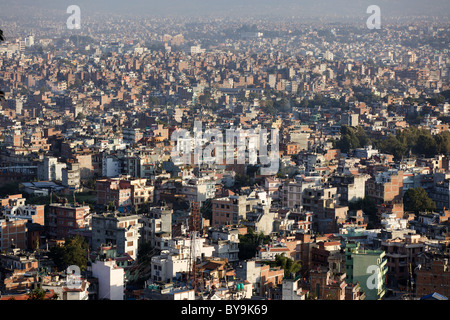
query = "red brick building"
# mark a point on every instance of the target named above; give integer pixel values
(62, 218)
(13, 232)
(326, 286)
(434, 277)
(385, 187)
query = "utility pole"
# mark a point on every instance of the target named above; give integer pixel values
(195, 211)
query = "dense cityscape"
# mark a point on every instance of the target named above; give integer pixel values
(223, 158)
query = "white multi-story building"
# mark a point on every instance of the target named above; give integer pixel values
(71, 176)
(366, 152)
(50, 169)
(111, 279)
(29, 41)
(199, 190)
(328, 55)
(272, 187)
(117, 229)
(179, 258)
(111, 167)
(64, 291)
(32, 213)
(132, 135)
(291, 290)
(225, 242)
(293, 191)
(391, 222)
(157, 227)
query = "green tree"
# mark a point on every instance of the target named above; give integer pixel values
(368, 206)
(351, 138)
(73, 252)
(290, 267)
(415, 140)
(443, 142)
(267, 106)
(425, 145)
(154, 101)
(282, 105)
(391, 145)
(417, 200)
(242, 180)
(249, 242)
(37, 294)
(9, 188)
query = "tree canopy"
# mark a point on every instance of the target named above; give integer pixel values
(73, 252)
(249, 243)
(351, 138)
(417, 200)
(415, 141)
(291, 268)
(368, 206)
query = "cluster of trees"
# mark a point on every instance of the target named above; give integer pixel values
(410, 141)
(249, 242)
(291, 268)
(368, 206)
(272, 107)
(73, 252)
(351, 138)
(39, 294)
(415, 141)
(206, 100)
(417, 200)
(9, 188)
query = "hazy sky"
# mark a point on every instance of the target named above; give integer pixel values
(298, 8)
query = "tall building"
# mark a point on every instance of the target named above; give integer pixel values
(401, 257)
(124, 193)
(71, 176)
(386, 186)
(120, 230)
(178, 259)
(64, 217)
(433, 277)
(157, 227)
(111, 279)
(13, 233)
(328, 55)
(29, 41)
(368, 268)
(50, 169)
(230, 210)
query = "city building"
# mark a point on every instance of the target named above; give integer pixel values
(120, 230)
